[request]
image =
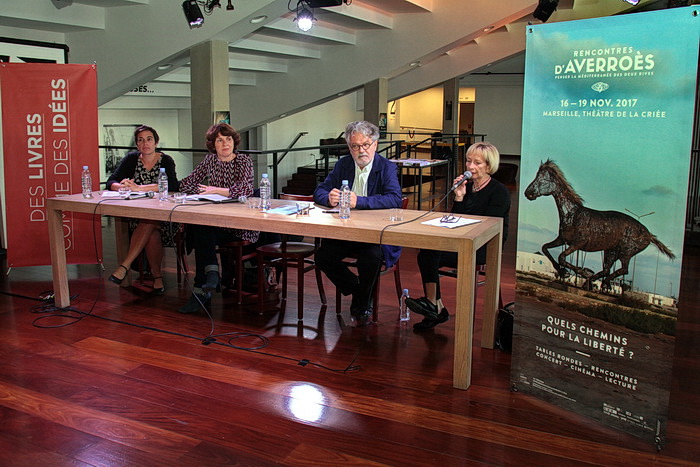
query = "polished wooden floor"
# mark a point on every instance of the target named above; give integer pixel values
(125, 380)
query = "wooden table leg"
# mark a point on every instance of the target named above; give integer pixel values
(464, 316)
(54, 220)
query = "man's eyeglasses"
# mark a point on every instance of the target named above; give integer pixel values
(356, 147)
(449, 219)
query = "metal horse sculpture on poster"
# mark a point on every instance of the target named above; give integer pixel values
(618, 235)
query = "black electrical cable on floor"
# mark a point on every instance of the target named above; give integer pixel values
(73, 315)
(76, 315)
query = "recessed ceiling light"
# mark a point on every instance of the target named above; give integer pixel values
(165, 66)
(488, 28)
(414, 63)
(340, 94)
(283, 115)
(258, 19)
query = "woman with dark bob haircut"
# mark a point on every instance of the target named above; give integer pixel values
(224, 171)
(139, 171)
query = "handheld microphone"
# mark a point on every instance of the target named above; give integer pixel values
(242, 199)
(465, 176)
(150, 194)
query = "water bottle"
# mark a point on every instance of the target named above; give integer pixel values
(162, 185)
(404, 313)
(86, 182)
(265, 191)
(344, 204)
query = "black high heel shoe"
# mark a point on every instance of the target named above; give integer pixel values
(159, 290)
(115, 279)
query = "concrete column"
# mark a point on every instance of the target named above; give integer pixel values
(450, 121)
(450, 108)
(376, 93)
(208, 89)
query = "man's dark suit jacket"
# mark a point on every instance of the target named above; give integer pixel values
(383, 191)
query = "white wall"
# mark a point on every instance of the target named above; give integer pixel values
(166, 122)
(498, 114)
(324, 121)
(422, 111)
(498, 110)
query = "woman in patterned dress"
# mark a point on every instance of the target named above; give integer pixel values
(139, 171)
(224, 172)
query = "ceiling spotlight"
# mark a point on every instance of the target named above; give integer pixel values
(544, 9)
(193, 13)
(632, 2)
(229, 6)
(305, 16)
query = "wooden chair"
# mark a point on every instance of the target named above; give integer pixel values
(480, 273)
(181, 254)
(181, 265)
(233, 256)
(375, 292)
(350, 261)
(284, 255)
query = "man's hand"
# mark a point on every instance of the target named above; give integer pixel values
(334, 198)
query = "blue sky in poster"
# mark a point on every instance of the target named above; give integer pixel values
(616, 116)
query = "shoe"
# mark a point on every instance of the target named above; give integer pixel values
(115, 279)
(159, 290)
(213, 282)
(196, 303)
(423, 306)
(362, 316)
(429, 323)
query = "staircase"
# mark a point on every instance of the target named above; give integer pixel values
(304, 181)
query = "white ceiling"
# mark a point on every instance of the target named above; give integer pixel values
(274, 68)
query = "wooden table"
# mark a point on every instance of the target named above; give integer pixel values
(364, 226)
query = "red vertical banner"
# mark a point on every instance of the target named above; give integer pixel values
(50, 131)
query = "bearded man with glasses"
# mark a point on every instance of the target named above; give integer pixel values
(375, 185)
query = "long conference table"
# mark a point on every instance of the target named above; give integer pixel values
(363, 226)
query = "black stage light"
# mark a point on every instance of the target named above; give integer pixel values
(193, 13)
(305, 17)
(324, 3)
(229, 6)
(544, 9)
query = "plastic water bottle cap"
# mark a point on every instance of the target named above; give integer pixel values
(162, 169)
(264, 175)
(344, 182)
(85, 167)
(405, 291)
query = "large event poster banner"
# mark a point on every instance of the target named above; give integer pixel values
(49, 128)
(607, 129)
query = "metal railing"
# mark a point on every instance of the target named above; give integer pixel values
(391, 147)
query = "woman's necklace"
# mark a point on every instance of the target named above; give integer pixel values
(149, 162)
(481, 185)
